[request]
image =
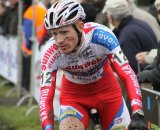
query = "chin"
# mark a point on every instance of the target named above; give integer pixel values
(66, 51)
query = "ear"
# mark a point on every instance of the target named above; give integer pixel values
(80, 26)
(109, 17)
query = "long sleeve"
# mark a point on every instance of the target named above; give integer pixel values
(47, 92)
(48, 84)
(126, 74)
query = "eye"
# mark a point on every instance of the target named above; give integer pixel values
(64, 32)
(53, 33)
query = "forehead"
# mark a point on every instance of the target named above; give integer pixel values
(64, 28)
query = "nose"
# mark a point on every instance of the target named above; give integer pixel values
(59, 38)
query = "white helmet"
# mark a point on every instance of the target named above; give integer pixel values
(63, 12)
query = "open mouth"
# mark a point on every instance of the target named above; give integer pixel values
(63, 47)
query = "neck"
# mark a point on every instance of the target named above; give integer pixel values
(77, 47)
(116, 23)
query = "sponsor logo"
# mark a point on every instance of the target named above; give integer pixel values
(87, 53)
(118, 120)
(87, 69)
(69, 111)
(83, 66)
(128, 70)
(52, 59)
(50, 51)
(43, 113)
(105, 39)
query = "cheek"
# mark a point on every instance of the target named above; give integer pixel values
(72, 40)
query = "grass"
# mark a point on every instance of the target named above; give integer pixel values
(13, 117)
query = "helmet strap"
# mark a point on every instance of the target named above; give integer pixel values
(79, 34)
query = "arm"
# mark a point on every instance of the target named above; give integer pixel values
(47, 91)
(121, 66)
(150, 76)
(49, 67)
(124, 71)
(128, 77)
(107, 39)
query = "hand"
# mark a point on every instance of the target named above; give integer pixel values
(137, 123)
(48, 127)
(140, 57)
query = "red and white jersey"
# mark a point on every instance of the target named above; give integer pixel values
(86, 66)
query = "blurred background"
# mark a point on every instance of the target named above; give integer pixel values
(22, 38)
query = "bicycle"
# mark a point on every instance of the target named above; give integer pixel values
(95, 118)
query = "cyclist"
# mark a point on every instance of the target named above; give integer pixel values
(85, 52)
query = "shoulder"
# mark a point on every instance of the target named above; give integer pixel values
(91, 26)
(50, 48)
(135, 26)
(50, 54)
(139, 24)
(101, 35)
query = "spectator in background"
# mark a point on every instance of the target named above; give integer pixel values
(11, 20)
(134, 35)
(152, 22)
(152, 72)
(100, 17)
(157, 5)
(2, 17)
(90, 9)
(41, 35)
(145, 16)
(26, 4)
(153, 11)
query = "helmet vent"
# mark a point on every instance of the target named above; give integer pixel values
(46, 24)
(51, 18)
(58, 21)
(69, 3)
(74, 7)
(55, 5)
(62, 11)
(72, 15)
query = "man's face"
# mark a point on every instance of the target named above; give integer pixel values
(66, 38)
(158, 9)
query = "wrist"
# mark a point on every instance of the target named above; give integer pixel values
(48, 127)
(138, 114)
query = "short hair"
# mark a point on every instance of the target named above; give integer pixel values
(156, 3)
(118, 9)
